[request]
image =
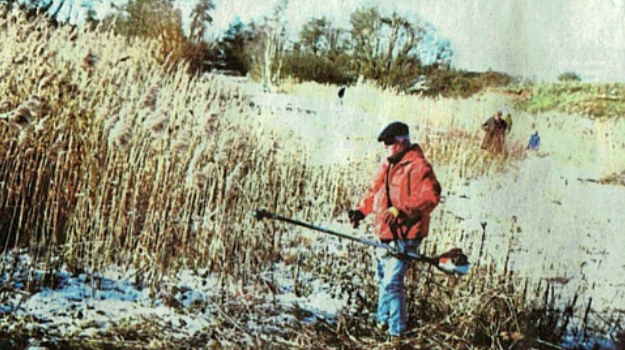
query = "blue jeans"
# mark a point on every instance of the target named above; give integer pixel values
(392, 295)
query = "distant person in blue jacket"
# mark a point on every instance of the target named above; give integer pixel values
(534, 143)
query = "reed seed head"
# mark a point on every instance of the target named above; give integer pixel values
(40, 126)
(25, 136)
(196, 179)
(181, 144)
(34, 104)
(48, 55)
(21, 59)
(5, 106)
(210, 125)
(89, 61)
(150, 98)
(46, 81)
(157, 125)
(21, 117)
(120, 136)
(73, 35)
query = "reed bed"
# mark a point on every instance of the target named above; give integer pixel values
(97, 164)
(116, 161)
(107, 159)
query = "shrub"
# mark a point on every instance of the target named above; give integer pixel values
(595, 100)
(458, 83)
(568, 76)
(310, 67)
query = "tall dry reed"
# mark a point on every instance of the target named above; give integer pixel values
(109, 159)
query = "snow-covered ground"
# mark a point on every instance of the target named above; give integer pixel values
(562, 226)
(563, 229)
(81, 306)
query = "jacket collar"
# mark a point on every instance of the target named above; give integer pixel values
(413, 152)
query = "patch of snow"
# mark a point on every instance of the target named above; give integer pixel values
(86, 305)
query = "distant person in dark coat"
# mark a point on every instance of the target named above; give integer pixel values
(494, 139)
(508, 119)
(534, 143)
(341, 94)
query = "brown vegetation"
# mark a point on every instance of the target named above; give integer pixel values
(107, 158)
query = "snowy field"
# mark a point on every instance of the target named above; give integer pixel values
(564, 225)
(564, 229)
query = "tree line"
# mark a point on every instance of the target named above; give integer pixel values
(394, 51)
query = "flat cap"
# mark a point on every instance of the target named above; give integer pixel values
(394, 129)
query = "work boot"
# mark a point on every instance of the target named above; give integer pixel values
(396, 341)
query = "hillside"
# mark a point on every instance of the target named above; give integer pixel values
(593, 100)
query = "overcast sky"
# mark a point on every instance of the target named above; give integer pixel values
(536, 38)
(539, 39)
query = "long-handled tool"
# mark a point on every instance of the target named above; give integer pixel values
(452, 262)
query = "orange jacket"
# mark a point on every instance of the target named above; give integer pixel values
(414, 191)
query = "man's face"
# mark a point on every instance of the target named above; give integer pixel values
(393, 146)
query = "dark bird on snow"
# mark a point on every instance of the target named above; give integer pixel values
(342, 92)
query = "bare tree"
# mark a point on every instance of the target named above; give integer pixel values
(322, 39)
(270, 45)
(51, 9)
(200, 19)
(385, 47)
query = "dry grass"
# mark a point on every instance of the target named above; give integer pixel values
(109, 159)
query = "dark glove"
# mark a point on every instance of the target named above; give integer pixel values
(355, 216)
(416, 217)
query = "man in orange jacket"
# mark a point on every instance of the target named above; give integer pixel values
(402, 195)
